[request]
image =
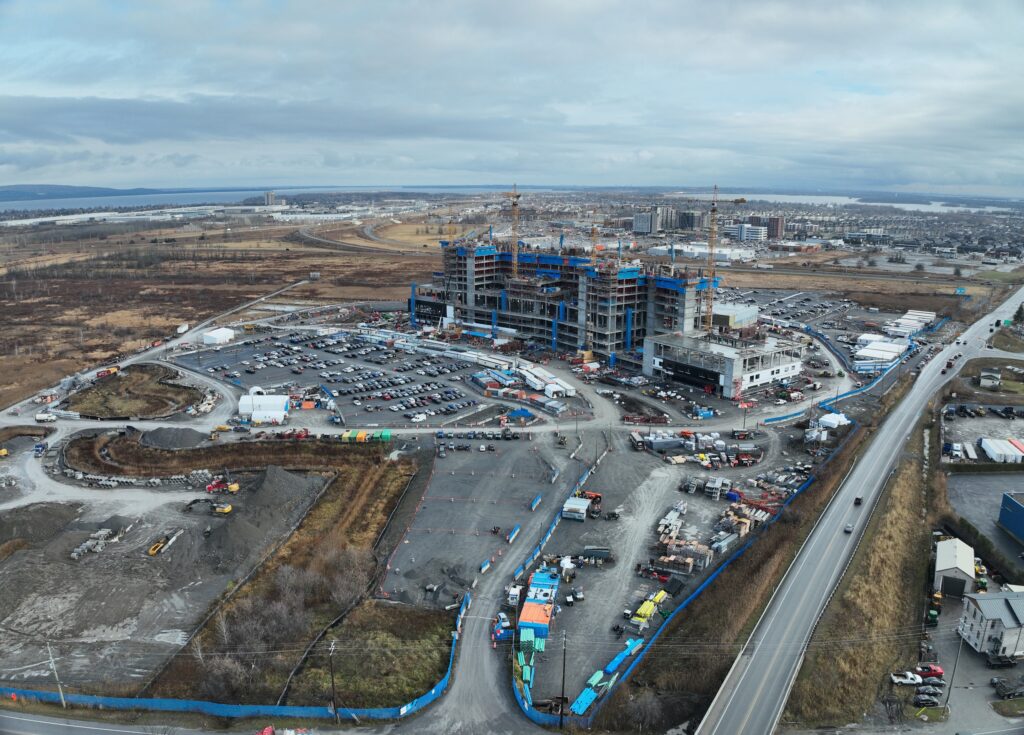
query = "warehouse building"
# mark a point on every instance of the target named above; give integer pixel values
(564, 302)
(954, 568)
(724, 366)
(218, 336)
(1011, 516)
(994, 623)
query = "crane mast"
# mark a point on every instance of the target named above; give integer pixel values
(514, 196)
(709, 294)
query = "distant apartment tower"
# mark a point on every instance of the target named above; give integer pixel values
(745, 232)
(644, 223)
(667, 218)
(691, 220)
(776, 228)
(269, 198)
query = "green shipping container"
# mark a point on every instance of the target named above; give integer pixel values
(347, 436)
(385, 436)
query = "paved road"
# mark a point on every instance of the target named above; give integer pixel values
(754, 693)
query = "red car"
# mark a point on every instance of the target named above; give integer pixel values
(929, 670)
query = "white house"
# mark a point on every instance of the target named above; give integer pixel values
(994, 623)
(218, 336)
(954, 568)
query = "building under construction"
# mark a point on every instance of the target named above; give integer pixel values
(566, 302)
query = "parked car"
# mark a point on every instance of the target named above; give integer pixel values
(929, 670)
(923, 700)
(905, 678)
(930, 691)
(934, 681)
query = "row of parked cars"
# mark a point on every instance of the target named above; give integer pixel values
(928, 680)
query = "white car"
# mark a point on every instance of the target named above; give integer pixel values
(905, 678)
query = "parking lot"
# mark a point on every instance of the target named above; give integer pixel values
(367, 382)
(469, 495)
(977, 498)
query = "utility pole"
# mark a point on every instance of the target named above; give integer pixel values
(561, 704)
(60, 689)
(952, 676)
(334, 694)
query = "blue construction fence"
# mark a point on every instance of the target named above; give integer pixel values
(545, 719)
(218, 709)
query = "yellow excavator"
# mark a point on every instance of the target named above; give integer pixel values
(217, 509)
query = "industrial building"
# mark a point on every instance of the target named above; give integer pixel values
(994, 623)
(954, 568)
(699, 250)
(726, 366)
(1011, 515)
(218, 336)
(745, 232)
(565, 302)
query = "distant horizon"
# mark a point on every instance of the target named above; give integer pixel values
(99, 191)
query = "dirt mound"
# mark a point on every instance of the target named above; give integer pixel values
(274, 493)
(36, 523)
(170, 438)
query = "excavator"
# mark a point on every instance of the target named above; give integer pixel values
(216, 508)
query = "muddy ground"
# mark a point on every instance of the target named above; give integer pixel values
(118, 614)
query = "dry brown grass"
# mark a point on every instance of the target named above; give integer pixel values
(142, 391)
(9, 547)
(10, 432)
(851, 653)
(1005, 340)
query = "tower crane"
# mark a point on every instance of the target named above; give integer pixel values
(709, 296)
(514, 196)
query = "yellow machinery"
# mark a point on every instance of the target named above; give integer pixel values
(3, 452)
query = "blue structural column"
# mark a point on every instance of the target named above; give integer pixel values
(412, 305)
(494, 323)
(620, 248)
(672, 249)
(561, 240)
(554, 335)
(490, 235)
(611, 360)
(561, 311)
(504, 300)
(629, 328)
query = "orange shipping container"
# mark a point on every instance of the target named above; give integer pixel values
(536, 612)
(307, 405)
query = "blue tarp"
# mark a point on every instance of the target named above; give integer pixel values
(583, 702)
(520, 413)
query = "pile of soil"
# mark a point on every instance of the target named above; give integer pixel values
(36, 523)
(450, 581)
(259, 507)
(170, 438)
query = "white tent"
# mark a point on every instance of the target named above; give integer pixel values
(218, 336)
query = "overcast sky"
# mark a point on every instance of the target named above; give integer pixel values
(901, 95)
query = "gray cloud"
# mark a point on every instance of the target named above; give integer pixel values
(855, 94)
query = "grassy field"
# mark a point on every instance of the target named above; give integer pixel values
(841, 679)
(142, 391)
(369, 642)
(83, 302)
(1015, 276)
(1008, 341)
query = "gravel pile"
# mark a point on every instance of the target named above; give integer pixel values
(266, 502)
(169, 438)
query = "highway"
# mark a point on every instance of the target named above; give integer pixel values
(754, 694)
